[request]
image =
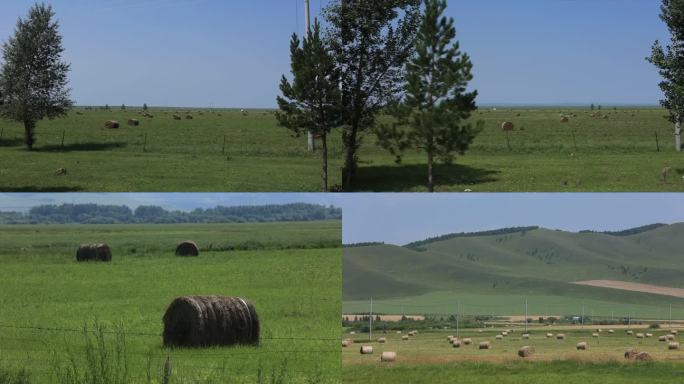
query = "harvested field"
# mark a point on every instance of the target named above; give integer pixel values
(634, 287)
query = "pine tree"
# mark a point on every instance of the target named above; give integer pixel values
(670, 62)
(311, 102)
(432, 113)
(33, 77)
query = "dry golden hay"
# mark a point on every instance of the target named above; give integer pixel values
(382, 340)
(177, 117)
(405, 337)
(662, 338)
(467, 341)
(630, 333)
(674, 332)
(352, 333)
(187, 248)
(94, 252)
(670, 337)
(594, 335)
(111, 124)
(504, 333)
(560, 336)
(549, 335)
(366, 350)
(133, 122)
(507, 126)
(611, 331)
(640, 335)
(499, 337)
(345, 343)
(203, 321)
(388, 357)
(582, 346)
(485, 345)
(649, 335)
(526, 336)
(456, 344)
(673, 346)
(525, 351)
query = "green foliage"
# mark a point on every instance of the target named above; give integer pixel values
(33, 77)
(502, 231)
(14, 375)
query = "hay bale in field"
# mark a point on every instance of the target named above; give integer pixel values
(456, 344)
(111, 124)
(643, 356)
(202, 321)
(582, 346)
(599, 330)
(507, 126)
(630, 354)
(649, 335)
(94, 252)
(345, 343)
(467, 341)
(499, 337)
(352, 333)
(366, 350)
(177, 117)
(560, 336)
(449, 338)
(405, 337)
(674, 332)
(382, 340)
(549, 335)
(673, 346)
(611, 331)
(388, 357)
(640, 336)
(565, 119)
(133, 122)
(662, 338)
(594, 335)
(526, 336)
(670, 337)
(485, 345)
(187, 248)
(630, 333)
(504, 333)
(398, 332)
(525, 351)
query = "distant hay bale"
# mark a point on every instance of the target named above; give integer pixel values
(673, 346)
(456, 344)
(599, 330)
(111, 124)
(630, 333)
(643, 356)
(449, 338)
(177, 117)
(565, 119)
(398, 332)
(525, 351)
(345, 343)
(649, 335)
(499, 337)
(382, 340)
(133, 122)
(594, 335)
(467, 341)
(203, 321)
(405, 337)
(662, 338)
(485, 345)
(549, 335)
(388, 357)
(611, 331)
(526, 336)
(187, 248)
(366, 350)
(560, 336)
(640, 335)
(94, 252)
(583, 346)
(504, 333)
(507, 126)
(352, 333)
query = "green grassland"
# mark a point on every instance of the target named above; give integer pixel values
(163, 154)
(618, 153)
(294, 283)
(495, 274)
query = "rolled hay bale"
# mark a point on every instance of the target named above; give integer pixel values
(630, 333)
(670, 337)
(594, 335)
(177, 117)
(352, 333)
(111, 124)
(673, 346)
(345, 343)
(662, 338)
(202, 321)
(467, 341)
(187, 248)
(526, 336)
(674, 332)
(599, 330)
(583, 346)
(398, 332)
(611, 331)
(565, 119)
(94, 252)
(499, 337)
(549, 335)
(382, 340)
(560, 336)
(640, 336)
(388, 357)
(630, 354)
(485, 345)
(525, 351)
(133, 122)
(405, 337)
(507, 126)
(366, 350)
(643, 356)
(504, 333)
(649, 335)
(449, 338)
(457, 344)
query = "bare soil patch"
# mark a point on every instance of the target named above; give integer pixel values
(634, 287)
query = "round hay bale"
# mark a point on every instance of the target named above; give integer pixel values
(366, 350)
(549, 335)
(485, 345)
(449, 338)
(467, 341)
(611, 331)
(662, 338)
(565, 119)
(111, 124)
(674, 332)
(670, 337)
(345, 343)
(583, 346)
(187, 248)
(649, 335)
(202, 321)
(643, 356)
(630, 354)
(560, 336)
(594, 335)
(599, 330)
(456, 344)
(630, 333)
(526, 336)
(507, 126)
(398, 332)
(388, 357)
(640, 335)
(352, 333)
(382, 340)
(405, 337)
(177, 117)
(673, 346)
(504, 333)
(525, 351)
(133, 122)
(94, 252)
(499, 337)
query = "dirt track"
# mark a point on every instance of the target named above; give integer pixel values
(634, 287)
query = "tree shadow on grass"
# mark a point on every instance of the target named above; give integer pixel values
(11, 142)
(408, 177)
(81, 147)
(39, 189)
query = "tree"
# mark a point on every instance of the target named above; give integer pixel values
(33, 77)
(593, 107)
(123, 107)
(145, 107)
(311, 102)
(435, 104)
(371, 39)
(670, 62)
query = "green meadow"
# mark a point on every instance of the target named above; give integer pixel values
(289, 271)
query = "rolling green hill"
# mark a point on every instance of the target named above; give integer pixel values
(490, 270)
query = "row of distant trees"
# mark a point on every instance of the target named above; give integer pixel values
(121, 214)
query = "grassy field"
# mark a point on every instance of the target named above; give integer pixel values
(162, 154)
(47, 298)
(619, 153)
(429, 358)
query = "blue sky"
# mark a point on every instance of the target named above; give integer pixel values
(232, 53)
(171, 201)
(402, 218)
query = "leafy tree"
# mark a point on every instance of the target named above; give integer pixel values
(106, 107)
(371, 39)
(123, 107)
(145, 107)
(435, 104)
(33, 77)
(311, 102)
(593, 107)
(670, 62)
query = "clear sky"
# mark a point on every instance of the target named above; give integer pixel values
(403, 218)
(172, 201)
(232, 53)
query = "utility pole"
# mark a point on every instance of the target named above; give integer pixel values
(526, 315)
(307, 19)
(670, 316)
(370, 321)
(458, 311)
(582, 319)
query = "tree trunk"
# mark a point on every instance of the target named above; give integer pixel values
(431, 181)
(324, 157)
(29, 134)
(678, 136)
(350, 160)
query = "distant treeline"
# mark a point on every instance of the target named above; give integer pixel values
(358, 245)
(503, 231)
(121, 214)
(630, 232)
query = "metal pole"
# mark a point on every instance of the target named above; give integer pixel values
(525, 315)
(458, 311)
(307, 18)
(670, 316)
(370, 321)
(582, 319)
